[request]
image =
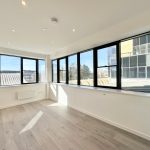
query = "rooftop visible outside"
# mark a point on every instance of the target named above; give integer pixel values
(10, 70)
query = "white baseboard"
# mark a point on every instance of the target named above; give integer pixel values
(135, 132)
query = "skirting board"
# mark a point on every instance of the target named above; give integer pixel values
(140, 134)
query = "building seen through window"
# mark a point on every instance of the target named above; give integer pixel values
(107, 66)
(135, 57)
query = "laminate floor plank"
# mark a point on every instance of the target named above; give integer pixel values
(46, 125)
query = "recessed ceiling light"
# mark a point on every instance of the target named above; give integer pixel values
(23, 2)
(73, 30)
(13, 30)
(44, 29)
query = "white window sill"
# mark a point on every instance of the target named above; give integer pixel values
(106, 90)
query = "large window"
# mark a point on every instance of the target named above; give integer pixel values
(41, 67)
(29, 71)
(107, 66)
(10, 70)
(72, 63)
(16, 70)
(86, 68)
(62, 70)
(54, 71)
(135, 64)
(122, 64)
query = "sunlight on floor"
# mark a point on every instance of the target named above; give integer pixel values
(32, 123)
(54, 104)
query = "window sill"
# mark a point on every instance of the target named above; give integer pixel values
(107, 90)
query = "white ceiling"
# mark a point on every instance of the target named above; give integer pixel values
(88, 17)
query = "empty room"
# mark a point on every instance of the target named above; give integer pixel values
(74, 75)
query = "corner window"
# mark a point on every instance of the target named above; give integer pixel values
(42, 73)
(54, 70)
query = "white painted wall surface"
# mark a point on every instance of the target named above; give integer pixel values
(8, 95)
(127, 111)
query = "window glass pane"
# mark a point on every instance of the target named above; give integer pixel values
(105, 73)
(148, 72)
(42, 77)
(141, 72)
(125, 62)
(107, 56)
(143, 39)
(86, 68)
(10, 70)
(54, 65)
(125, 73)
(148, 38)
(149, 48)
(133, 72)
(133, 61)
(72, 62)
(135, 41)
(136, 77)
(107, 76)
(29, 71)
(62, 64)
(62, 70)
(62, 76)
(148, 60)
(142, 60)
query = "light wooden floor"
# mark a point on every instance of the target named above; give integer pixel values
(46, 126)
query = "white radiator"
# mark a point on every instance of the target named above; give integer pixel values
(25, 95)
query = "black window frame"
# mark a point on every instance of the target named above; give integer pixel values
(79, 65)
(53, 70)
(118, 62)
(77, 69)
(95, 62)
(39, 70)
(21, 67)
(58, 70)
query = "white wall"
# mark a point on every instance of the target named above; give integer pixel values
(8, 95)
(127, 111)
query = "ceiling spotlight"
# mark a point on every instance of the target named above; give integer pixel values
(54, 20)
(44, 29)
(23, 2)
(13, 30)
(73, 30)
